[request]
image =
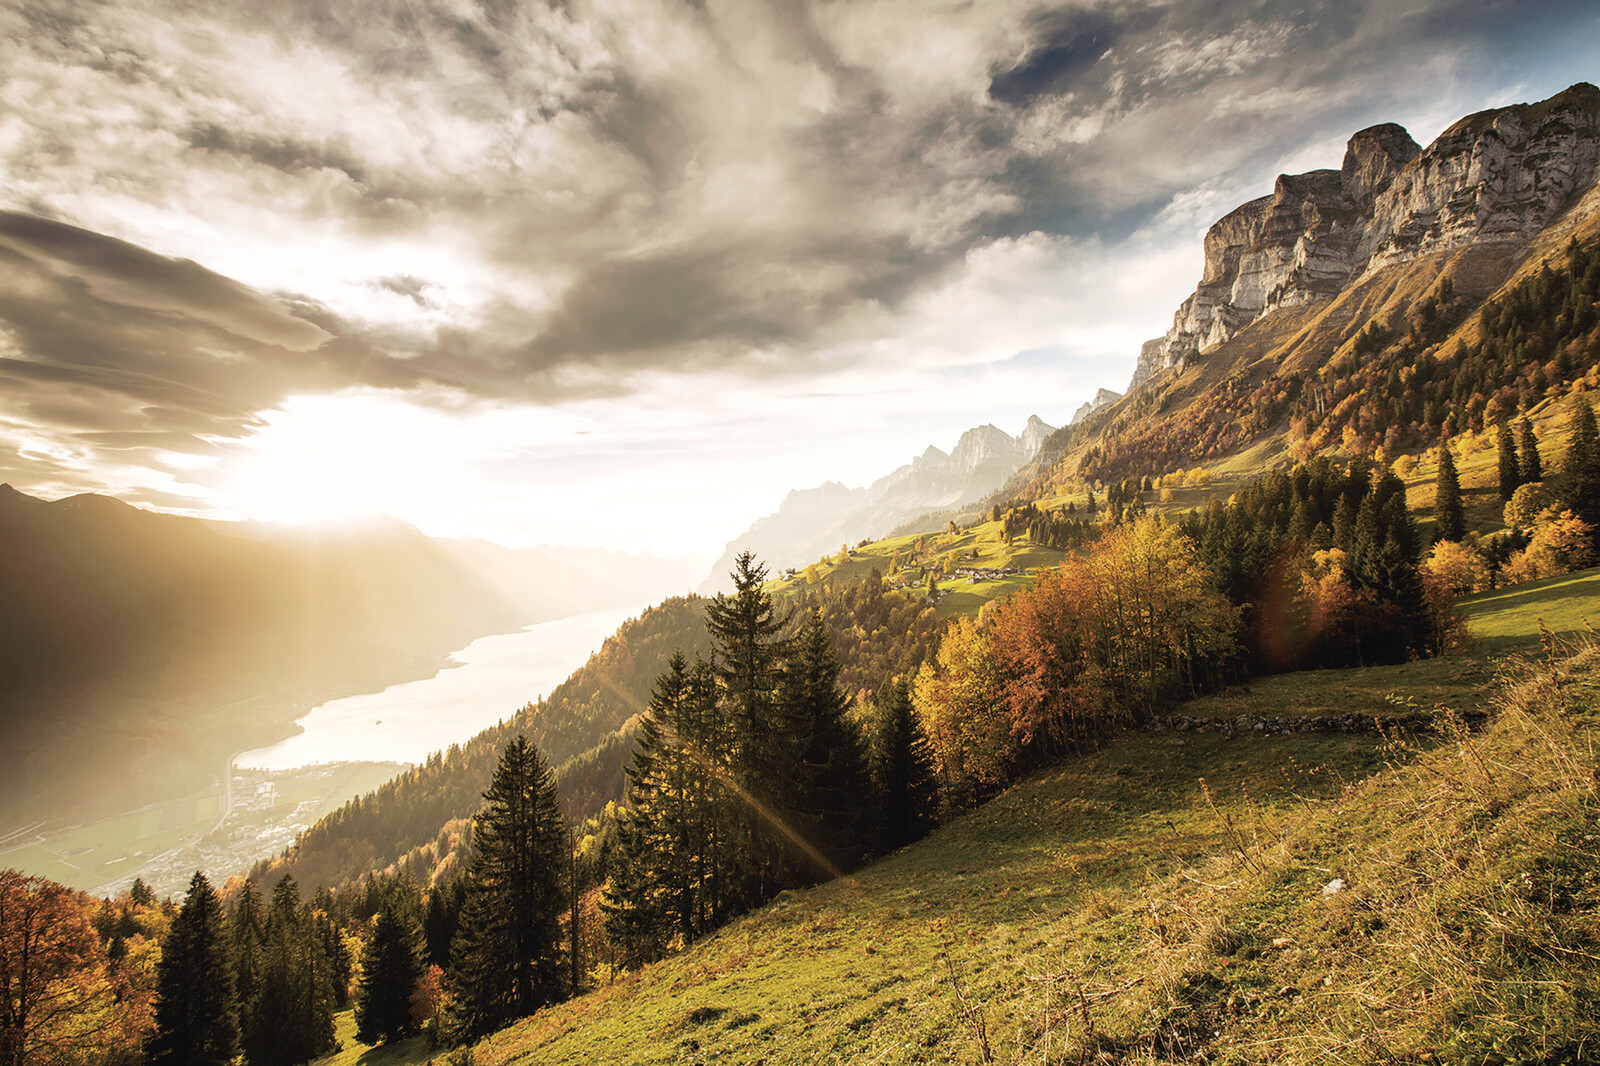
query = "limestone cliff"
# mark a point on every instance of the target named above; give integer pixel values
(1497, 176)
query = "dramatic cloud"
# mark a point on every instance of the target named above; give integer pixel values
(482, 206)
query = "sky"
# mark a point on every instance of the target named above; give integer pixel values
(624, 272)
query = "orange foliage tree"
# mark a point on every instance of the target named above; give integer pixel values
(1100, 642)
(56, 996)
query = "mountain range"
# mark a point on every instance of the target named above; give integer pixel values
(813, 522)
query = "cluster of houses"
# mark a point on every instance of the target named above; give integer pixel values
(975, 574)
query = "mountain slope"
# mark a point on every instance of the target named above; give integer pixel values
(1209, 897)
(1356, 309)
(138, 649)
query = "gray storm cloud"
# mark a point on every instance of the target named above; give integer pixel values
(620, 185)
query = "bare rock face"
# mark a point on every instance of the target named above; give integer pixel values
(1101, 398)
(1500, 175)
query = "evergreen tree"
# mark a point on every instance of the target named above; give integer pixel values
(669, 881)
(391, 967)
(247, 929)
(903, 769)
(197, 1012)
(1581, 470)
(1531, 469)
(1450, 522)
(824, 788)
(441, 918)
(1510, 465)
(745, 631)
(292, 1016)
(507, 957)
(341, 967)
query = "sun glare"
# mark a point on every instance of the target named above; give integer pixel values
(324, 460)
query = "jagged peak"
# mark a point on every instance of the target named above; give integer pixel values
(1372, 157)
(988, 431)
(1580, 96)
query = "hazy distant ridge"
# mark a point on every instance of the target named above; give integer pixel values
(813, 522)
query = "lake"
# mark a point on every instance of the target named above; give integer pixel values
(407, 722)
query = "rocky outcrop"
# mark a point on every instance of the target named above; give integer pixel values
(1497, 176)
(1101, 399)
(814, 522)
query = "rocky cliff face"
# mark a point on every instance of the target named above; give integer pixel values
(813, 522)
(1500, 175)
(1089, 407)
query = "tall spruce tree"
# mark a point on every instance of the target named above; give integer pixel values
(247, 926)
(824, 790)
(903, 769)
(197, 1010)
(292, 1016)
(671, 858)
(746, 635)
(507, 957)
(391, 967)
(1510, 466)
(1531, 468)
(440, 919)
(1581, 469)
(1449, 518)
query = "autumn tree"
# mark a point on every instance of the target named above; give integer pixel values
(197, 1009)
(53, 989)
(959, 702)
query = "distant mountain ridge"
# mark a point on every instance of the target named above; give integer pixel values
(138, 649)
(813, 522)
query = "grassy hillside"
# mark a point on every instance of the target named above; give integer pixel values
(1568, 603)
(1301, 897)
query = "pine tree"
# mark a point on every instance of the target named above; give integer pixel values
(824, 789)
(247, 930)
(669, 880)
(391, 967)
(1531, 469)
(745, 631)
(1450, 522)
(1581, 470)
(903, 769)
(440, 919)
(507, 958)
(197, 1012)
(292, 1018)
(1510, 465)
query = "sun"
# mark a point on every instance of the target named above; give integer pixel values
(350, 457)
